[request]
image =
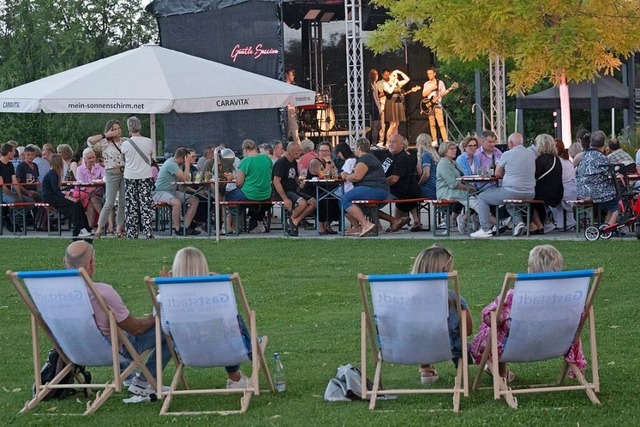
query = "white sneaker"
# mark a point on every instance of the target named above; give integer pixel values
(462, 224)
(548, 228)
(243, 382)
(518, 229)
(143, 388)
(84, 233)
(481, 234)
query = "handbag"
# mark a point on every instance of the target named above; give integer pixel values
(549, 171)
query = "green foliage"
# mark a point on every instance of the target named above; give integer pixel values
(307, 301)
(39, 38)
(544, 38)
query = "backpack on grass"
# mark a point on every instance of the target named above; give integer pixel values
(52, 367)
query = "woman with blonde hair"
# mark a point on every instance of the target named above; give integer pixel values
(110, 144)
(437, 259)
(190, 262)
(65, 203)
(428, 160)
(542, 258)
(549, 186)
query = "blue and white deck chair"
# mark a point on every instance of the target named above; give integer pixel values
(201, 316)
(59, 303)
(410, 312)
(547, 316)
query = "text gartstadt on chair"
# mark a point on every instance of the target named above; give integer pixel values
(200, 316)
(549, 311)
(409, 326)
(60, 306)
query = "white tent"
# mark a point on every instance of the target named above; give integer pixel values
(152, 79)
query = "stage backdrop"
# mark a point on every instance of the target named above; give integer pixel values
(246, 35)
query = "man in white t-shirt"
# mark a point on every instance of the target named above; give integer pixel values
(140, 331)
(517, 169)
(138, 181)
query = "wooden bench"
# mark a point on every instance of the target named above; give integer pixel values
(371, 207)
(238, 209)
(163, 216)
(20, 208)
(442, 211)
(583, 212)
(522, 207)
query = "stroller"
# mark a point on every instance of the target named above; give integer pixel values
(628, 204)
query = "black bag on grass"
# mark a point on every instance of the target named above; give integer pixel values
(52, 367)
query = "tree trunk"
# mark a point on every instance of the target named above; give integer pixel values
(565, 110)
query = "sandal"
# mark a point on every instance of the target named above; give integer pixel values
(510, 375)
(416, 227)
(428, 376)
(403, 221)
(353, 231)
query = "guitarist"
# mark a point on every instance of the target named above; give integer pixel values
(394, 105)
(435, 89)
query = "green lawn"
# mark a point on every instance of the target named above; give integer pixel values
(307, 301)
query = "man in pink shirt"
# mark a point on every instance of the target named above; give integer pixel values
(139, 330)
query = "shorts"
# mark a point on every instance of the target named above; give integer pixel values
(294, 196)
(166, 196)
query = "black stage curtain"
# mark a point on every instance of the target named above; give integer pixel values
(234, 36)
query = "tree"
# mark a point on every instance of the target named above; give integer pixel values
(39, 38)
(559, 40)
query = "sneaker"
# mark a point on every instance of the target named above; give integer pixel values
(481, 234)
(243, 382)
(143, 388)
(462, 224)
(518, 229)
(549, 227)
(84, 233)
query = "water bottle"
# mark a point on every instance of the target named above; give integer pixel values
(278, 374)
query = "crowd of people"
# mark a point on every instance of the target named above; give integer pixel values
(122, 182)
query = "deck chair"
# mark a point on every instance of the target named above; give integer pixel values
(201, 317)
(546, 319)
(410, 313)
(59, 303)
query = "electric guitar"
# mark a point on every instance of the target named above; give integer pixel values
(412, 90)
(403, 92)
(430, 102)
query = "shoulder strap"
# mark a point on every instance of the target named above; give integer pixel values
(550, 169)
(144, 156)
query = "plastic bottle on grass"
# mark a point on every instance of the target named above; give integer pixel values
(278, 374)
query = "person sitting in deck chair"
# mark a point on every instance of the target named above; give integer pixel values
(436, 259)
(542, 258)
(139, 330)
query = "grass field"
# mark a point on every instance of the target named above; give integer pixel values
(307, 301)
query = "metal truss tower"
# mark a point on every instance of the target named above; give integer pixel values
(355, 67)
(498, 98)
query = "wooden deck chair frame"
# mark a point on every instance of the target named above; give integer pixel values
(259, 362)
(368, 332)
(500, 386)
(117, 338)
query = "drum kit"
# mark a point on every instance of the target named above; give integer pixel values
(318, 117)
